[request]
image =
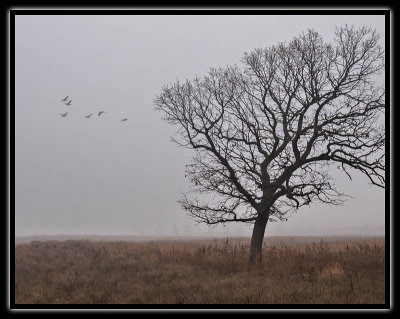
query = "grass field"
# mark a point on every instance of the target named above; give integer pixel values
(202, 271)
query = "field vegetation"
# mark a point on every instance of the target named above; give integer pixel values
(293, 271)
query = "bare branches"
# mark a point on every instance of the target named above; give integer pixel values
(265, 134)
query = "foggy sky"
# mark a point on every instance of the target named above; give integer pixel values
(102, 176)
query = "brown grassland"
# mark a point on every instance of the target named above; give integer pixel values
(214, 271)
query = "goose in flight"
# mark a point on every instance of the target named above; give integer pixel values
(69, 102)
(88, 116)
(66, 98)
(124, 119)
(64, 115)
(101, 112)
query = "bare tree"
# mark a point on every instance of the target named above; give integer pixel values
(268, 134)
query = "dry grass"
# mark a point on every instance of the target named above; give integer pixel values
(199, 272)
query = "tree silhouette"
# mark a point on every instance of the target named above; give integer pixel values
(267, 134)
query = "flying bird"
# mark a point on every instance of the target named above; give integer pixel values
(88, 116)
(101, 112)
(69, 102)
(64, 115)
(66, 98)
(125, 119)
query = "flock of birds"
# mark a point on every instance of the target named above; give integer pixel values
(87, 116)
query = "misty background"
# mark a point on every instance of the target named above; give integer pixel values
(75, 175)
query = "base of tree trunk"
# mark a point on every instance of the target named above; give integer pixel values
(257, 238)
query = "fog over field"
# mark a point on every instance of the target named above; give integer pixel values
(103, 176)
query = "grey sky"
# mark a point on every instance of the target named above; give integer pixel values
(102, 176)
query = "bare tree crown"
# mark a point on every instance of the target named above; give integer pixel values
(266, 134)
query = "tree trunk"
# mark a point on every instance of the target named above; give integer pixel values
(257, 240)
